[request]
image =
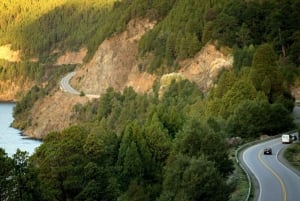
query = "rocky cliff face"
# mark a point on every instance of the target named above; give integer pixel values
(114, 65)
(53, 113)
(205, 66)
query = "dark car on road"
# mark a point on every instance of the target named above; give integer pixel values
(294, 137)
(268, 151)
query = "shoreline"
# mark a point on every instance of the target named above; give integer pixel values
(27, 137)
(8, 101)
(21, 133)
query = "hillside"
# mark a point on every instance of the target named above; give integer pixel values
(136, 48)
(179, 81)
(115, 65)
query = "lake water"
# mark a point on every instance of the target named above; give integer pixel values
(10, 138)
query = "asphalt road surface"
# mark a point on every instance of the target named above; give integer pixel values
(276, 181)
(65, 86)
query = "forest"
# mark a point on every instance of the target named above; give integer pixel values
(128, 146)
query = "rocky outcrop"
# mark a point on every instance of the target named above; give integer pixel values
(52, 113)
(114, 63)
(205, 66)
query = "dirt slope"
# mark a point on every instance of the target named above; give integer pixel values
(53, 113)
(114, 64)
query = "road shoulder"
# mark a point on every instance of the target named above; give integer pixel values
(285, 162)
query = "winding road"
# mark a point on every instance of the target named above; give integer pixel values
(66, 87)
(65, 84)
(276, 181)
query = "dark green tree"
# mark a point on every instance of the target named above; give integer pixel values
(6, 185)
(190, 179)
(101, 145)
(265, 73)
(224, 29)
(25, 182)
(61, 161)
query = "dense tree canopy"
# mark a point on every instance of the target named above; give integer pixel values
(168, 145)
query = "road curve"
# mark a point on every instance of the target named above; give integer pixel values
(66, 87)
(276, 181)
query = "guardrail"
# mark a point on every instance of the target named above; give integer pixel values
(244, 146)
(237, 152)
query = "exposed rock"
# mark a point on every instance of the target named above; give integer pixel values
(205, 66)
(52, 113)
(72, 57)
(114, 63)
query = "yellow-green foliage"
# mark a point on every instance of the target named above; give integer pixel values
(37, 26)
(168, 78)
(18, 12)
(166, 81)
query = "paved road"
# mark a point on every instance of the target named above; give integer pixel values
(65, 84)
(276, 181)
(66, 87)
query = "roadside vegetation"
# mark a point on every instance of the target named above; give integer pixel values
(292, 154)
(127, 146)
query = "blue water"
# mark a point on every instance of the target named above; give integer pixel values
(10, 138)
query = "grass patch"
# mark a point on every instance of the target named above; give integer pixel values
(292, 155)
(239, 181)
(241, 184)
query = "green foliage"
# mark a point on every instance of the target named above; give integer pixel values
(130, 146)
(61, 157)
(242, 57)
(195, 140)
(292, 154)
(38, 91)
(265, 74)
(38, 26)
(22, 109)
(192, 179)
(229, 93)
(26, 186)
(5, 172)
(224, 29)
(250, 98)
(165, 42)
(18, 180)
(252, 118)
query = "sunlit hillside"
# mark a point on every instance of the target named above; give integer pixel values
(37, 26)
(175, 139)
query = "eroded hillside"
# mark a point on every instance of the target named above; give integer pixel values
(115, 65)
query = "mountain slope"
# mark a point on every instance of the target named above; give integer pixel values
(115, 64)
